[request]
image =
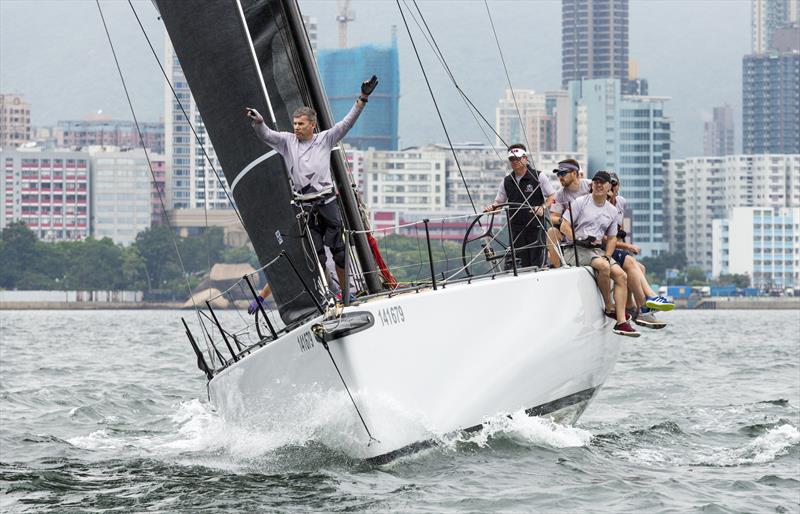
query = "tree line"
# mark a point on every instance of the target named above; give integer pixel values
(150, 264)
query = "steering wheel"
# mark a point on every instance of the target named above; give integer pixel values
(488, 233)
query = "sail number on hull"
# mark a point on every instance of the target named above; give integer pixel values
(305, 341)
(391, 316)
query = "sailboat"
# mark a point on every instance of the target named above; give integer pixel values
(411, 363)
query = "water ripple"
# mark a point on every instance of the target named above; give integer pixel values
(108, 413)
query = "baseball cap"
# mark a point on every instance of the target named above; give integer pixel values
(516, 153)
(614, 178)
(602, 176)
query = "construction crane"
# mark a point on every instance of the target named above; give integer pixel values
(344, 17)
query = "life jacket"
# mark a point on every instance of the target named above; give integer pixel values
(527, 196)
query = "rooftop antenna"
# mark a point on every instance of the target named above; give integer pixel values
(345, 16)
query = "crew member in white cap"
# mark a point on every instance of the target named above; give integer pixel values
(528, 193)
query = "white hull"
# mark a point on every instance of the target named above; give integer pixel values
(436, 361)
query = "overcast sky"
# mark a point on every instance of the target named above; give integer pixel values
(55, 53)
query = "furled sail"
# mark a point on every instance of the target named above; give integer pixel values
(216, 52)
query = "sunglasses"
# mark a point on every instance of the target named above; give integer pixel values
(513, 159)
(562, 173)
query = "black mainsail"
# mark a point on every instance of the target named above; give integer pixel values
(255, 53)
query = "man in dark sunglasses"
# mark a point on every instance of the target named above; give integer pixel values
(572, 188)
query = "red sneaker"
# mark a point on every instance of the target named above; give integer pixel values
(625, 329)
(613, 315)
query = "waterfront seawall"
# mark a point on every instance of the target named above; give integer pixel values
(66, 306)
(748, 303)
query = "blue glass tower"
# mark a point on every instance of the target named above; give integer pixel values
(342, 72)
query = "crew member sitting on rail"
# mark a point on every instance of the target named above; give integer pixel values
(593, 217)
(644, 299)
(572, 188)
(528, 192)
(307, 156)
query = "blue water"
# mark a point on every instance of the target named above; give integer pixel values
(105, 411)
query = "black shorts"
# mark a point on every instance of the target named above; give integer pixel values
(619, 255)
(325, 225)
(529, 244)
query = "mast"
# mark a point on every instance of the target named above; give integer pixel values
(351, 214)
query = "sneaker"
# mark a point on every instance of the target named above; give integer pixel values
(613, 315)
(648, 319)
(631, 314)
(625, 329)
(659, 303)
(339, 297)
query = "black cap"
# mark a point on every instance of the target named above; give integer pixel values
(614, 178)
(602, 176)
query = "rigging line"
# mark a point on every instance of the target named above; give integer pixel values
(435, 46)
(146, 154)
(188, 120)
(508, 78)
(470, 106)
(438, 112)
(371, 438)
(152, 174)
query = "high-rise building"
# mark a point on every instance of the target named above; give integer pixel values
(630, 135)
(719, 133)
(700, 190)
(190, 179)
(675, 205)
(594, 40)
(101, 131)
(343, 70)
(760, 242)
(121, 194)
(15, 121)
(771, 103)
(48, 191)
(767, 17)
(538, 120)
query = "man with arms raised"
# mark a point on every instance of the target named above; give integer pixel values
(591, 218)
(308, 157)
(528, 192)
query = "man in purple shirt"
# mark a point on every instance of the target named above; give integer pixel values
(308, 156)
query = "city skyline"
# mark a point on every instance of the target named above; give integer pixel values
(88, 82)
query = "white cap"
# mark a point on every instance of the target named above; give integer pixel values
(519, 153)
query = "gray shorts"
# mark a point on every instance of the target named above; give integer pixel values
(585, 255)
